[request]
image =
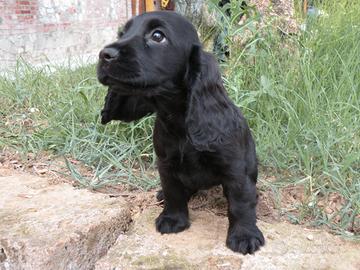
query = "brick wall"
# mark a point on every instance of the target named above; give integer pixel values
(41, 31)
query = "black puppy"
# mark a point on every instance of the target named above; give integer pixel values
(201, 139)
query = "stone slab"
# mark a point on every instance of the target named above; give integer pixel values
(44, 226)
(202, 246)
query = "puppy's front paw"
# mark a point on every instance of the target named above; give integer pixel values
(245, 240)
(172, 223)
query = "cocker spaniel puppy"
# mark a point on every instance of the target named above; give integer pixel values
(201, 139)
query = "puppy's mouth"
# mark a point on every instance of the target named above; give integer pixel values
(129, 80)
(109, 80)
(107, 77)
(127, 86)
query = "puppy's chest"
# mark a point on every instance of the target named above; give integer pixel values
(197, 170)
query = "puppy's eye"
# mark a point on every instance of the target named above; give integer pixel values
(158, 36)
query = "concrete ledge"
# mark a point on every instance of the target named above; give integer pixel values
(47, 226)
(202, 247)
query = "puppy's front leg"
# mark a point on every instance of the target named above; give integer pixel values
(243, 234)
(175, 216)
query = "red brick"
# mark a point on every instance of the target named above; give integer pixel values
(24, 7)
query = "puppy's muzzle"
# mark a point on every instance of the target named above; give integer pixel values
(108, 54)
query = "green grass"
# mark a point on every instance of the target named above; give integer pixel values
(60, 112)
(300, 94)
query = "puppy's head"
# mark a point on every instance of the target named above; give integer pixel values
(151, 50)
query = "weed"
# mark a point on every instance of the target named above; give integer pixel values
(301, 95)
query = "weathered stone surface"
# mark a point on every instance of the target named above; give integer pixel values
(46, 226)
(203, 247)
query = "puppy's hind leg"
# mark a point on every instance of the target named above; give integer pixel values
(175, 215)
(243, 234)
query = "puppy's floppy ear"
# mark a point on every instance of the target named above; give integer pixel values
(211, 117)
(125, 108)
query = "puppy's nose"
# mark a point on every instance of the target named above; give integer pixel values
(108, 54)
